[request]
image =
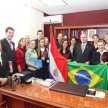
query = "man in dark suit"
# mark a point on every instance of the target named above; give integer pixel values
(8, 47)
(83, 52)
(39, 36)
(60, 38)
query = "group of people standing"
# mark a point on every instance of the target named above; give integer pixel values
(22, 58)
(84, 52)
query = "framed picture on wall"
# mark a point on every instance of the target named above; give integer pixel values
(91, 32)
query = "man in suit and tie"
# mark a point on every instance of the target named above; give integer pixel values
(60, 38)
(8, 47)
(83, 52)
(39, 36)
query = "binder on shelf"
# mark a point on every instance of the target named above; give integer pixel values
(75, 34)
(66, 33)
(71, 33)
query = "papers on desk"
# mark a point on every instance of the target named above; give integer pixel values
(94, 93)
(101, 94)
(48, 82)
(33, 79)
(38, 63)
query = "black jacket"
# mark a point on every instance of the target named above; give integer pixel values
(44, 62)
(37, 44)
(4, 68)
(58, 44)
(9, 52)
(96, 57)
(67, 52)
(87, 54)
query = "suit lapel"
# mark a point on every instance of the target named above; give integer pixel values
(6, 42)
(80, 49)
(9, 45)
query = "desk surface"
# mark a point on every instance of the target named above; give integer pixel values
(35, 92)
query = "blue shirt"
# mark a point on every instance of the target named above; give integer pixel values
(30, 56)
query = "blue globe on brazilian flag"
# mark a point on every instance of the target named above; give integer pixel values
(95, 76)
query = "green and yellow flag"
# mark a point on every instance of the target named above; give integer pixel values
(95, 76)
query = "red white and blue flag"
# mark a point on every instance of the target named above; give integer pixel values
(58, 64)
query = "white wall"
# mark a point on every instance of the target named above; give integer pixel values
(17, 15)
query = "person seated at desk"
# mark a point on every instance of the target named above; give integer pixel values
(95, 41)
(64, 50)
(30, 56)
(97, 55)
(4, 67)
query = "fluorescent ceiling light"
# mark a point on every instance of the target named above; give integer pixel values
(52, 3)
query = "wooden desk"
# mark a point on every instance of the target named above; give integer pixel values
(36, 96)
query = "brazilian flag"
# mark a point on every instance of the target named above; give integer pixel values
(95, 76)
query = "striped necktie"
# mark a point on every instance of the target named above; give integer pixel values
(83, 48)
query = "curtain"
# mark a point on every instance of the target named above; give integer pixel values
(35, 22)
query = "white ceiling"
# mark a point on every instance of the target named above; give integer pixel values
(71, 7)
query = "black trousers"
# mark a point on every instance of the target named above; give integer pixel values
(33, 72)
(42, 73)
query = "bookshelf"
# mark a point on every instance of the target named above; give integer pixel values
(75, 31)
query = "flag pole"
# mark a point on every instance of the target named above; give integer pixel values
(50, 31)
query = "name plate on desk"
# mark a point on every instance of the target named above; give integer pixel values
(74, 89)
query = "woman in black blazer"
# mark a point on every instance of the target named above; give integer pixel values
(64, 50)
(4, 67)
(73, 42)
(97, 55)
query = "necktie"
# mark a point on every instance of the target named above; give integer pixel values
(10, 45)
(82, 49)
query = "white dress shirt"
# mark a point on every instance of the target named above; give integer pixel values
(0, 58)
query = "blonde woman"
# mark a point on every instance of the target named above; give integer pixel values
(27, 41)
(97, 55)
(105, 37)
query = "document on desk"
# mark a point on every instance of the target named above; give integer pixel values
(38, 63)
(94, 93)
